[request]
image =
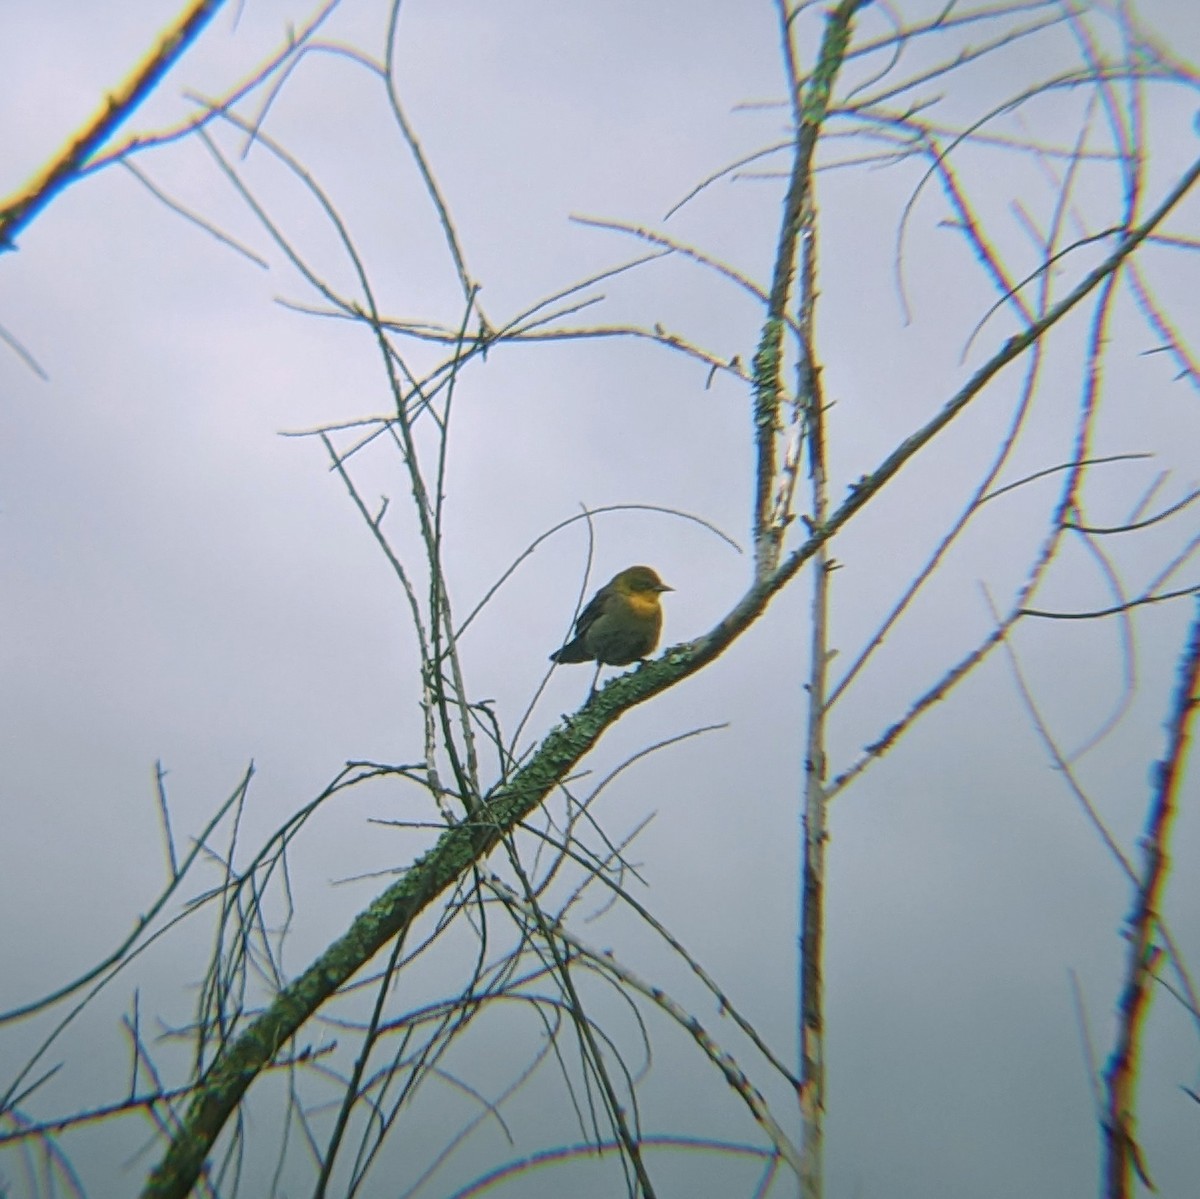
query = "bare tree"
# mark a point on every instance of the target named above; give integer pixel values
(1036, 133)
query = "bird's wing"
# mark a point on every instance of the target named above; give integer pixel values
(595, 608)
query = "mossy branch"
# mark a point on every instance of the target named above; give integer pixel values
(769, 358)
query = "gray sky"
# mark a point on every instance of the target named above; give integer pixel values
(179, 583)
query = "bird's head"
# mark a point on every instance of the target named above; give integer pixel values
(640, 580)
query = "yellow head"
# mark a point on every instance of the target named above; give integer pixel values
(640, 581)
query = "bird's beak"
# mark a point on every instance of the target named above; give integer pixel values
(664, 587)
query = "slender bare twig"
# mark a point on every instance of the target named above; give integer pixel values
(724, 1061)
(813, 844)
(1122, 1154)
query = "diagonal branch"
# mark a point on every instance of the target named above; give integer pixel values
(20, 210)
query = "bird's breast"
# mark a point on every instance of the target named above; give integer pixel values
(646, 606)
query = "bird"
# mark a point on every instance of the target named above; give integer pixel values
(621, 623)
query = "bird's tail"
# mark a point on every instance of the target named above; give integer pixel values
(573, 651)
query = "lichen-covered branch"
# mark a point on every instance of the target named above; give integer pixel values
(769, 357)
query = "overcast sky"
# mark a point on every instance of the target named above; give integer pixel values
(179, 583)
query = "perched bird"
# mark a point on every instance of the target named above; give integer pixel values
(622, 622)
